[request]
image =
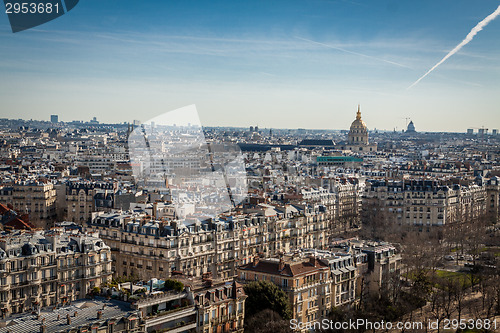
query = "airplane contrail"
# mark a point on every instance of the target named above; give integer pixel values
(351, 52)
(467, 39)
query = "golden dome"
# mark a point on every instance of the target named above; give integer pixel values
(358, 124)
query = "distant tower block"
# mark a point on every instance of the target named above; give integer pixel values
(410, 128)
(54, 118)
(470, 131)
(494, 131)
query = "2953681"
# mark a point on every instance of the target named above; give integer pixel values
(472, 324)
(31, 8)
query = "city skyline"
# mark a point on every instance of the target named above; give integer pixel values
(272, 65)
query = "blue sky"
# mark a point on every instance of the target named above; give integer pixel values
(284, 64)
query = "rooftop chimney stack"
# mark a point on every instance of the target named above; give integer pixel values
(255, 261)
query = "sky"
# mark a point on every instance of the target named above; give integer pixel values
(275, 64)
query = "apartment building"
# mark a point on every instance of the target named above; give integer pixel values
(47, 268)
(383, 263)
(144, 247)
(343, 273)
(103, 316)
(204, 306)
(34, 197)
(220, 307)
(493, 197)
(424, 202)
(317, 280)
(84, 198)
(306, 281)
(97, 164)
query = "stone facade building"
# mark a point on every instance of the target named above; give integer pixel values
(317, 280)
(83, 198)
(424, 202)
(204, 306)
(47, 268)
(145, 247)
(34, 197)
(307, 283)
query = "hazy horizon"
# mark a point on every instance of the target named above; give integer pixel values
(282, 64)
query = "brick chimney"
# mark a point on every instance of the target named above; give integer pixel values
(255, 261)
(312, 260)
(155, 208)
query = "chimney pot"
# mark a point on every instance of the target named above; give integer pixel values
(281, 264)
(255, 261)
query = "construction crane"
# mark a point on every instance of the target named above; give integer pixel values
(406, 118)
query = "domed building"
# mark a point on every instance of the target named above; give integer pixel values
(357, 139)
(358, 133)
(411, 127)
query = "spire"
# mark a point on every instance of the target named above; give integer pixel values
(358, 114)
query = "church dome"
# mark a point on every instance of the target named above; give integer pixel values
(358, 133)
(358, 124)
(411, 128)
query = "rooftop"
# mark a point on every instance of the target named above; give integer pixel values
(55, 320)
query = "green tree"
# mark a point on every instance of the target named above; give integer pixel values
(266, 295)
(174, 285)
(267, 321)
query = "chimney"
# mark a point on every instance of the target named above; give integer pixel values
(99, 314)
(281, 264)
(255, 261)
(155, 208)
(68, 319)
(312, 260)
(43, 329)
